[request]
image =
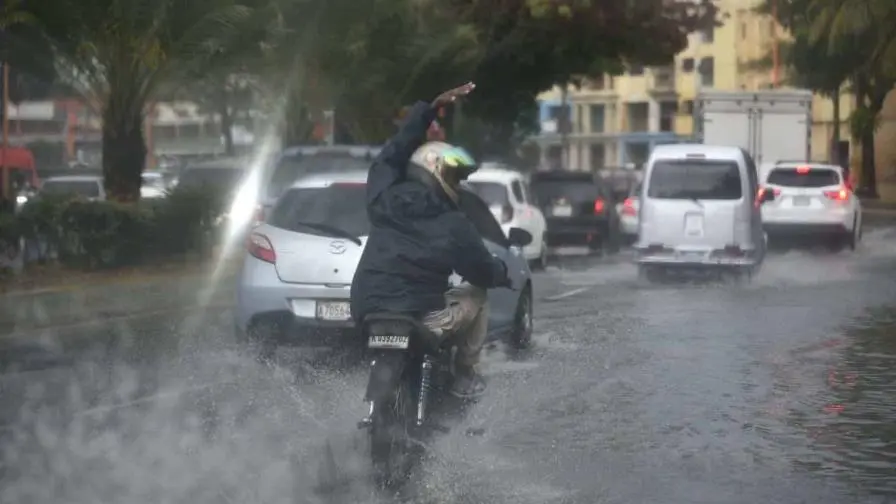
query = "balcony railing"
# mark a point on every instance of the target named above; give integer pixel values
(662, 79)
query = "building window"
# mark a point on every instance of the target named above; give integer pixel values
(667, 116)
(598, 115)
(708, 35)
(598, 153)
(707, 72)
(743, 30)
(636, 69)
(638, 114)
(687, 65)
(560, 114)
(687, 107)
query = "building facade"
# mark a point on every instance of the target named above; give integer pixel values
(615, 121)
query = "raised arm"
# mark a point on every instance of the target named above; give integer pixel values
(391, 165)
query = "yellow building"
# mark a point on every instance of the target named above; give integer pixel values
(613, 121)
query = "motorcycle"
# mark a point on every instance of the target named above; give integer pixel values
(409, 369)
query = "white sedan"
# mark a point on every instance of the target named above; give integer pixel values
(810, 199)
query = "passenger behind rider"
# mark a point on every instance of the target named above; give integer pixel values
(419, 236)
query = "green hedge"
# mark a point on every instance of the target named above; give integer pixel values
(99, 234)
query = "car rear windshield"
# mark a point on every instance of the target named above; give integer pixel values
(222, 178)
(704, 180)
(815, 177)
(574, 191)
(490, 192)
(290, 169)
(83, 188)
(342, 206)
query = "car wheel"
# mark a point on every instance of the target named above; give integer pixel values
(521, 337)
(542, 261)
(652, 274)
(856, 235)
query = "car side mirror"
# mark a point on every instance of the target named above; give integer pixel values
(519, 237)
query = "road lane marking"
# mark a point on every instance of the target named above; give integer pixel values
(564, 295)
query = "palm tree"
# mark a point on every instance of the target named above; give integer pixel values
(866, 26)
(117, 54)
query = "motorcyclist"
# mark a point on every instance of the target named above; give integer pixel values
(419, 237)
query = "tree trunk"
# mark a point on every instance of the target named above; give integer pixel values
(223, 104)
(835, 135)
(124, 152)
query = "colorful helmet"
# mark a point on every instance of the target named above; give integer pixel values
(448, 164)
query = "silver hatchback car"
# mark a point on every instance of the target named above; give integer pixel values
(295, 280)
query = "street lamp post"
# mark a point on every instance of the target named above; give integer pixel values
(7, 190)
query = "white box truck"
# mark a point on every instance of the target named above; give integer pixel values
(772, 125)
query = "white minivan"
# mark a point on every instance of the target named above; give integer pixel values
(699, 208)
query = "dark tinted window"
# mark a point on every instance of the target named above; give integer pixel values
(223, 178)
(518, 191)
(816, 177)
(83, 188)
(342, 206)
(707, 180)
(478, 212)
(290, 169)
(546, 191)
(490, 192)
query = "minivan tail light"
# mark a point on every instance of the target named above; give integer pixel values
(506, 214)
(839, 195)
(260, 247)
(599, 205)
(628, 207)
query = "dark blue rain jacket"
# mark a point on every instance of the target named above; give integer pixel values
(418, 235)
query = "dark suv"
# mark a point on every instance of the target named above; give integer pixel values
(579, 209)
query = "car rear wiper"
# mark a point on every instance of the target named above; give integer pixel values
(331, 231)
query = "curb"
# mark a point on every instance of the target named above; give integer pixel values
(20, 332)
(137, 278)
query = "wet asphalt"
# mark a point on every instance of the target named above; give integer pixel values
(782, 390)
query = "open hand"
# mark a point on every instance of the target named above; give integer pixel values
(453, 94)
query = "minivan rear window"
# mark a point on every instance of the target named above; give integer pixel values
(490, 192)
(815, 177)
(342, 206)
(548, 191)
(704, 180)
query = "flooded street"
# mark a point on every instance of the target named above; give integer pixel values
(782, 390)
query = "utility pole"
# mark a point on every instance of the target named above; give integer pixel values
(776, 57)
(7, 190)
(565, 123)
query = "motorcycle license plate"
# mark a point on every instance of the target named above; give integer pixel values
(388, 341)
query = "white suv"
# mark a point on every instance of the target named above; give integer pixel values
(810, 199)
(507, 193)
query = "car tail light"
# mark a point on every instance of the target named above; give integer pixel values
(761, 192)
(628, 207)
(839, 195)
(260, 247)
(599, 205)
(506, 214)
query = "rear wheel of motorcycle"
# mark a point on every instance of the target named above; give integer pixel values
(391, 445)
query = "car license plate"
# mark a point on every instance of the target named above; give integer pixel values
(388, 341)
(693, 225)
(800, 201)
(562, 210)
(333, 310)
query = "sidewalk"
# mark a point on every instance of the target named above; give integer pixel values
(47, 301)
